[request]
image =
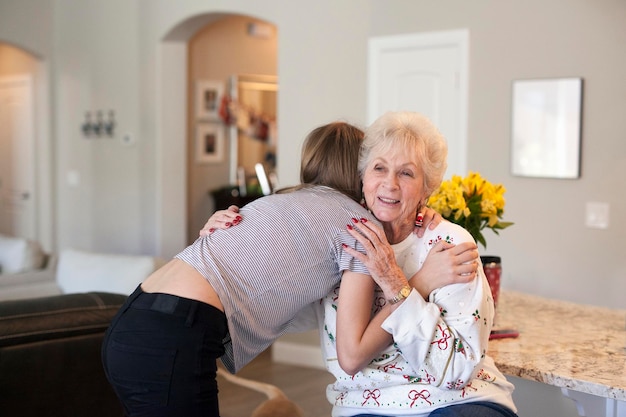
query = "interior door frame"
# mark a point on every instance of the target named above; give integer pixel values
(458, 39)
(28, 161)
(44, 155)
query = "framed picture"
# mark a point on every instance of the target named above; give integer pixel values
(209, 143)
(546, 128)
(208, 98)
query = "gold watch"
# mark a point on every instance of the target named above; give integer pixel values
(402, 294)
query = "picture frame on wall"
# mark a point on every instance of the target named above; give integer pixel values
(546, 127)
(209, 143)
(209, 95)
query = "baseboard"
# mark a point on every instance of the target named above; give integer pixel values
(297, 354)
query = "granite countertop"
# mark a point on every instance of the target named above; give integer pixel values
(568, 345)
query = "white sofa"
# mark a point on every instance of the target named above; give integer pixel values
(28, 272)
(20, 255)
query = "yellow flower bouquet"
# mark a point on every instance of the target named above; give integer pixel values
(471, 202)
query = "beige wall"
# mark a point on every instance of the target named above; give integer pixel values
(549, 251)
(109, 55)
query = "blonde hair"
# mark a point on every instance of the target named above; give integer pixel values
(330, 156)
(409, 133)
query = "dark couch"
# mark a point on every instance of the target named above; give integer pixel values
(50, 356)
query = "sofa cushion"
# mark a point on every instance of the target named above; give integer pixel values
(81, 271)
(19, 255)
(56, 317)
(50, 362)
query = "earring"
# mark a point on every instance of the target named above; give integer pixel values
(419, 219)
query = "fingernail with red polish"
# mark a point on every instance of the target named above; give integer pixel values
(344, 245)
(349, 227)
(363, 220)
(355, 220)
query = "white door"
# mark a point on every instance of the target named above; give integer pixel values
(17, 160)
(426, 73)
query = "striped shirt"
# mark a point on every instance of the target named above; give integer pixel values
(286, 254)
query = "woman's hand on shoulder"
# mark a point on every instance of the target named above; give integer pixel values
(222, 219)
(446, 264)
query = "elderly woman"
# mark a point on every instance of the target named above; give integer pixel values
(438, 363)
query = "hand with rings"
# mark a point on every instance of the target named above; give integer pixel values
(379, 257)
(222, 219)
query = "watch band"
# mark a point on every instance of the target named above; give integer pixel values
(401, 295)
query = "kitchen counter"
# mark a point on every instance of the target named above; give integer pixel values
(579, 348)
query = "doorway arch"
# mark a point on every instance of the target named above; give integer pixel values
(172, 152)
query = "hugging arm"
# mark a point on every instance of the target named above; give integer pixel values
(441, 340)
(358, 339)
(359, 336)
(444, 339)
(223, 219)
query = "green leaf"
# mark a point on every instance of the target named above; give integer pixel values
(504, 225)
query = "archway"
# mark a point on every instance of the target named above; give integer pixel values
(173, 224)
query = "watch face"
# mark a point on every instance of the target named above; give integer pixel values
(405, 291)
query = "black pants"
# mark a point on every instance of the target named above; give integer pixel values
(160, 354)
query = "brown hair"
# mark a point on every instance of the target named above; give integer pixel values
(330, 156)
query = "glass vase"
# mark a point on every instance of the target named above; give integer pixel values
(492, 265)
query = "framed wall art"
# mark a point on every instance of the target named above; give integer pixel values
(546, 128)
(209, 94)
(209, 143)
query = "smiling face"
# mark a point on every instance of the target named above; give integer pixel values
(402, 161)
(393, 185)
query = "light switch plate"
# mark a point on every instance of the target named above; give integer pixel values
(597, 215)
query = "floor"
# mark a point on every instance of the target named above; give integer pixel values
(304, 385)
